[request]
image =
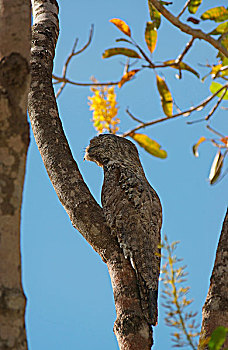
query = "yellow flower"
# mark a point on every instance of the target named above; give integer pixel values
(104, 106)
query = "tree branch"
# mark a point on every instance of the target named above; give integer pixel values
(215, 312)
(195, 33)
(184, 113)
(184, 8)
(72, 54)
(86, 215)
(84, 212)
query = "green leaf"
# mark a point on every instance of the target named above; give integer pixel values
(225, 61)
(217, 14)
(183, 66)
(196, 146)
(149, 145)
(215, 171)
(120, 51)
(218, 338)
(165, 95)
(154, 15)
(151, 36)
(221, 29)
(217, 86)
(193, 5)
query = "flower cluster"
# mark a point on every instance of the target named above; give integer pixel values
(104, 106)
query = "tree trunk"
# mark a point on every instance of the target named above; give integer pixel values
(215, 310)
(14, 85)
(86, 215)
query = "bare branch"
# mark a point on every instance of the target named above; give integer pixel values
(196, 33)
(72, 54)
(62, 80)
(187, 48)
(214, 131)
(186, 112)
(134, 118)
(50, 138)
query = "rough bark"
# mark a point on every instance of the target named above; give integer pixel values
(215, 309)
(85, 214)
(14, 140)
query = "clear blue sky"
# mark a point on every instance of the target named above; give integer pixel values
(70, 302)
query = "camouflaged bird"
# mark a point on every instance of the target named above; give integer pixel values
(133, 212)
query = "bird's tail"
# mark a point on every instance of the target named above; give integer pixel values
(149, 304)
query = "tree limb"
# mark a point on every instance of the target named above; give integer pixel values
(215, 310)
(86, 215)
(195, 33)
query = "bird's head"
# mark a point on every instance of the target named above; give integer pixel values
(109, 148)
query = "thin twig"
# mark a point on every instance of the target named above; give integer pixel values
(196, 33)
(216, 106)
(151, 65)
(189, 111)
(214, 131)
(72, 54)
(187, 48)
(184, 8)
(67, 81)
(134, 118)
(181, 56)
(210, 113)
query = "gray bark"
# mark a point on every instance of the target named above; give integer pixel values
(14, 85)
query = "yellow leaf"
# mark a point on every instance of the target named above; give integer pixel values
(126, 77)
(193, 5)
(120, 51)
(151, 36)
(196, 146)
(166, 97)
(217, 14)
(149, 145)
(121, 25)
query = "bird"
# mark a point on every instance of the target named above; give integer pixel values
(133, 211)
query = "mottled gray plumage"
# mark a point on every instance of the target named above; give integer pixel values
(132, 210)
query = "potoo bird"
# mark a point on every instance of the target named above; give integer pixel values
(133, 212)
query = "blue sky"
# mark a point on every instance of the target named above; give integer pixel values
(70, 302)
